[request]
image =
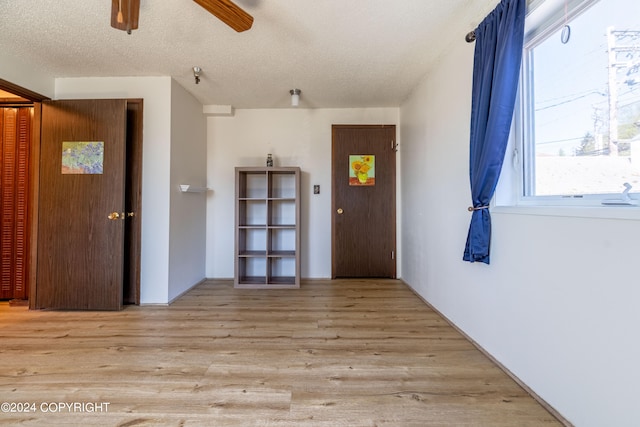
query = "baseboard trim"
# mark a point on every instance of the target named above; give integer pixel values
(511, 375)
(186, 290)
(226, 280)
(219, 279)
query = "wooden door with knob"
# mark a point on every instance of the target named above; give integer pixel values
(363, 201)
(81, 243)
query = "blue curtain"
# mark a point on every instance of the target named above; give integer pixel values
(496, 68)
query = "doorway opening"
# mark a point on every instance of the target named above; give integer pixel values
(16, 117)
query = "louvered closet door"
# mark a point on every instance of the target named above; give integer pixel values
(15, 136)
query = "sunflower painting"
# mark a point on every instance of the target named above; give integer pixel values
(362, 169)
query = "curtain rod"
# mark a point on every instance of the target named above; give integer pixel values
(470, 37)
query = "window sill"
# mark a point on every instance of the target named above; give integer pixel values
(604, 212)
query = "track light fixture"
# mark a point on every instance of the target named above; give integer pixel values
(196, 73)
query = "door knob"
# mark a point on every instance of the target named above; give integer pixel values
(116, 215)
(339, 211)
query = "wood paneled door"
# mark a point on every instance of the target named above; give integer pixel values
(363, 201)
(15, 141)
(84, 206)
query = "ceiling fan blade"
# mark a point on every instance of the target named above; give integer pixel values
(124, 14)
(229, 13)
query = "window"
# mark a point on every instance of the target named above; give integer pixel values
(577, 123)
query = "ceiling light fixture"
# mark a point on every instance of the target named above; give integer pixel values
(196, 73)
(295, 97)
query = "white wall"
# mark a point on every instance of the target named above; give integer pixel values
(558, 306)
(188, 210)
(156, 152)
(295, 137)
(28, 76)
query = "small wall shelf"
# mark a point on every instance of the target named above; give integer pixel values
(267, 227)
(188, 188)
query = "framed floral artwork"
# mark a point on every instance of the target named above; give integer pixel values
(362, 169)
(79, 157)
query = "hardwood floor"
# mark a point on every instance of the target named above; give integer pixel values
(332, 353)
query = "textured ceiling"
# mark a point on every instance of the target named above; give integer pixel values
(340, 53)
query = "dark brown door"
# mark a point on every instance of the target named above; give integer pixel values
(15, 141)
(81, 205)
(363, 201)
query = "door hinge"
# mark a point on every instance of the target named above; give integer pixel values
(393, 254)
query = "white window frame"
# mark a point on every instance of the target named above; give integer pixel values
(544, 17)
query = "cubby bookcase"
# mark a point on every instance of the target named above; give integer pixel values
(267, 250)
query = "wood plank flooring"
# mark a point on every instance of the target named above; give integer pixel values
(330, 354)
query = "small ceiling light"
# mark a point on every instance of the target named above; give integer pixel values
(196, 73)
(295, 97)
